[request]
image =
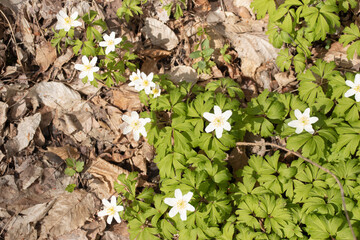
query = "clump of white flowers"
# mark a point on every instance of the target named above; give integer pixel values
(141, 81)
(218, 121)
(135, 125)
(87, 68)
(355, 88)
(110, 42)
(111, 209)
(303, 121)
(180, 204)
(65, 22)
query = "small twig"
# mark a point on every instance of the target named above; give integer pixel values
(314, 164)
(13, 38)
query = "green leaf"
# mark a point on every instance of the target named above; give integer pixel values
(262, 7)
(79, 166)
(70, 188)
(70, 172)
(195, 54)
(283, 60)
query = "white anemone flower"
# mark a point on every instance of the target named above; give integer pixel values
(180, 204)
(110, 42)
(218, 121)
(87, 68)
(112, 210)
(355, 88)
(156, 91)
(135, 125)
(303, 121)
(65, 22)
(135, 79)
(145, 83)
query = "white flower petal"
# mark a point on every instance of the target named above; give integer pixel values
(143, 131)
(117, 218)
(357, 97)
(190, 207)
(85, 60)
(83, 74)
(170, 201)
(294, 123)
(217, 110)
(103, 44)
(178, 194)
(106, 203)
(112, 35)
(62, 14)
(136, 135)
(350, 92)
(127, 129)
(74, 15)
(67, 28)
(117, 41)
(102, 213)
(126, 118)
(227, 114)
(134, 116)
(187, 197)
(113, 201)
(209, 116)
(309, 129)
(150, 76)
(313, 120)
(119, 208)
(307, 113)
(93, 61)
(79, 67)
(183, 216)
(76, 24)
(90, 76)
(218, 132)
(210, 128)
(173, 211)
(299, 129)
(95, 69)
(357, 79)
(109, 219)
(227, 126)
(298, 114)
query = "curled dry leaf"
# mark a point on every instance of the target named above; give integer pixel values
(23, 225)
(3, 117)
(45, 55)
(69, 212)
(106, 173)
(183, 73)
(126, 98)
(160, 35)
(65, 152)
(26, 131)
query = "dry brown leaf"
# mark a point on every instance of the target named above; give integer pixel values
(29, 175)
(160, 35)
(150, 66)
(77, 234)
(27, 34)
(202, 5)
(140, 162)
(106, 173)
(3, 111)
(237, 159)
(26, 131)
(183, 73)
(69, 212)
(65, 152)
(126, 98)
(284, 78)
(155, 53)
(337, 53)
(45, 55)
(115, 116)
(23, 225)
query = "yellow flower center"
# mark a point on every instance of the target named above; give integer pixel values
(67, 20)
(155, 91)
(357, 88)
(146, 83)
(110, 42)
(87, 67)
(110, 211)
(304, 120)
(181, 204)
(218, 121)
(135, 125)
(135, 78)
